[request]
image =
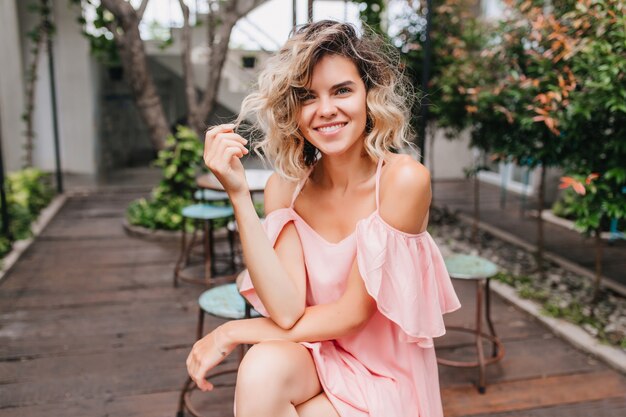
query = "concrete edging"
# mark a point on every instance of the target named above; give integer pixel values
(20, 246)
(159, 235)
(548, 216)
(613, 356)
(150, 234)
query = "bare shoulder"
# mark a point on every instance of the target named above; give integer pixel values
(278, 193)
(405, 193)
(407, 177)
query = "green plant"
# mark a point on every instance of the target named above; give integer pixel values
(28, 192)
(101, 42)
(370, 12)
(181, 163)
(457, 37)
(598, 198)
(30, 188)
(547, 90)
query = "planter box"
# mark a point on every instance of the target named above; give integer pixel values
(550, 217)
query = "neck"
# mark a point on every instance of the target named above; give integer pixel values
(344, 172)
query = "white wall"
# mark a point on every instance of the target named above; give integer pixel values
(450, 156)
(75, 89)
(75, 96)
(11, 86)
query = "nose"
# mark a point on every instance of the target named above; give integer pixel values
(327, 107)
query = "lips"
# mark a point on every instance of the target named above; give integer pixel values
(330, 128)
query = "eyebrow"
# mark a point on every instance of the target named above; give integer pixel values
(343, 84)
(348, 83)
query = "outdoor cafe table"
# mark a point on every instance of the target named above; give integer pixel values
(256, 178)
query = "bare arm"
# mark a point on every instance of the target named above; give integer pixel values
(278, 274)
(320, 322)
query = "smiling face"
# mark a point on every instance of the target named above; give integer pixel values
(333, 109)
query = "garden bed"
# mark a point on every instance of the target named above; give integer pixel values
(563, 294)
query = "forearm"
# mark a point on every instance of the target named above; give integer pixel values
(270, 279)
(320, 322)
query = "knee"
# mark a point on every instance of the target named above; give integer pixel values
(266, 365)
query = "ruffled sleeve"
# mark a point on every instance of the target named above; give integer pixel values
(273, 225)
(407, 277)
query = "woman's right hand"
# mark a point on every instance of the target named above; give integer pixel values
(223, 149)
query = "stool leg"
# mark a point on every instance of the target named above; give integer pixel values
(231, 243)
(192, 243)
(208, 259)
(492, 331)
(479, 340)
(211, 248)
(182, 254)
(200, 328)
(181, 399)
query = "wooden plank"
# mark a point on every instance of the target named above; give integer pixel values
(533, 393)
(218, 403)
(610, 407)
(113, 374)
(524, 359)
(510, 323)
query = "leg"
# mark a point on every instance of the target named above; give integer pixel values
(273, 378)
(318, 406)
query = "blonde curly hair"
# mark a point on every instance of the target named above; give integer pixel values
(276, 103)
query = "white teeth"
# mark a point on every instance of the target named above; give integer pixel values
(331, 128)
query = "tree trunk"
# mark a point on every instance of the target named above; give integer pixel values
(223, 21)
(135, 64)
(598, 264)
(190, 86)
(217, 58)
(476, 208)
(540, 236)
(429, 132)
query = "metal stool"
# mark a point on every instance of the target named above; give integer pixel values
(467, 267)
(223, 301)
(207, 214)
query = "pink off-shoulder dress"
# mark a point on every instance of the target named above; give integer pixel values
(388, 368)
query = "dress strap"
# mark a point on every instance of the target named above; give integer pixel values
(378, 171)
(299, 187)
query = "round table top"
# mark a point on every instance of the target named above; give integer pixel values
(207, 212)
(256, 178)
(224, 301)
(469, 267)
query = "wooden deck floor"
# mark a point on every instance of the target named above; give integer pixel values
(90, 326)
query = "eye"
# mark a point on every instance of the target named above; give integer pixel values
(343, 90)
(305, 96)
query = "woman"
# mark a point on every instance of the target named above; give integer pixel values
(351, 285)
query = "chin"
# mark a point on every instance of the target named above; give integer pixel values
(332, 149)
